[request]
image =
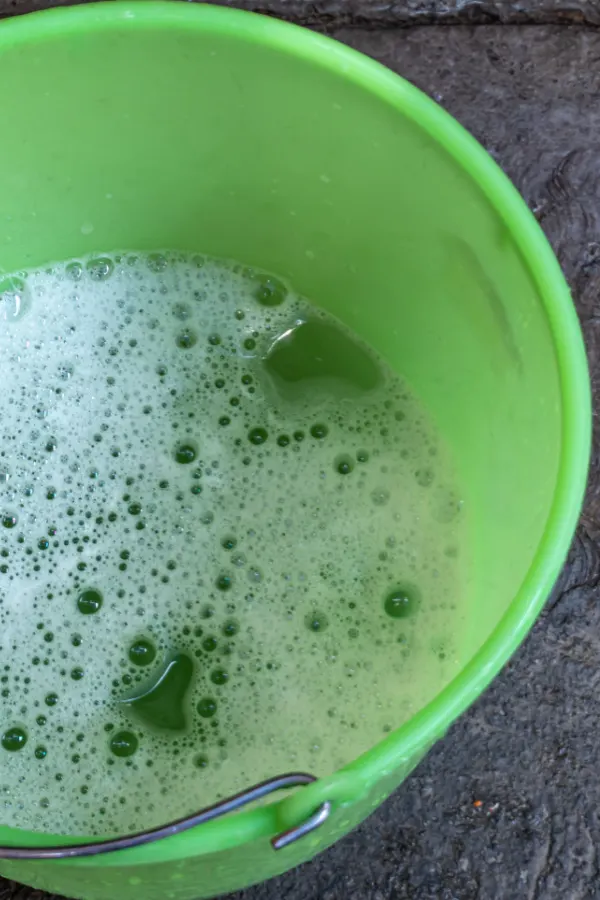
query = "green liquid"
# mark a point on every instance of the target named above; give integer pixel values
(161, 704)
(316, 356)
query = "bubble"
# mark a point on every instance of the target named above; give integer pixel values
(219, 676)
(344, 464)
(424, 477)
(9, 520)
(224, 582)
(182, 312)
(157, 262)
(123, 744)
(402, 602)
(74, 271)
(269, 291)
(14, 301)
(228, 542)
(447, 506)
(201, 761)
(316, 621)
(14, 739)
(186, 339)
(65, 371)
(230, 627)
(40, 752)
(257, 436)
(51, 699)
(319, 431)
(214, 340)
(207, 707)
(362, 456)
(100, 268)
(380, 496)
(77, 673)
(89, 601)
(440, 648)
(185, 453)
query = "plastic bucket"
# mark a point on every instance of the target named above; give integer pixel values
(193, 127)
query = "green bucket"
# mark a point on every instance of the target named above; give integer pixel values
(149, 125)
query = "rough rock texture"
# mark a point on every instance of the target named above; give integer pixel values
(386, 13)
(528, 750)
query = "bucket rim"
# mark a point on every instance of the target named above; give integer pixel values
(430, 723)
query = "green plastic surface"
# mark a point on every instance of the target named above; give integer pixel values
(172, 125)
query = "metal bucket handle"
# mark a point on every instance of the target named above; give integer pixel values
(231, 804)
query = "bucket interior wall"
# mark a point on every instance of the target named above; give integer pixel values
(203, 141)
(200, 141)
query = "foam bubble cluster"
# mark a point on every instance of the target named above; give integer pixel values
(229, 541)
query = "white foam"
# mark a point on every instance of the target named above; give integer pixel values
(79, 372)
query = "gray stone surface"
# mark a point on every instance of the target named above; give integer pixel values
(528, 750)
(386, 13)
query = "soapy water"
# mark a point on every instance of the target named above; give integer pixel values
(229, 541)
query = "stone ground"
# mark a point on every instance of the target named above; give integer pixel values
(524, 78)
